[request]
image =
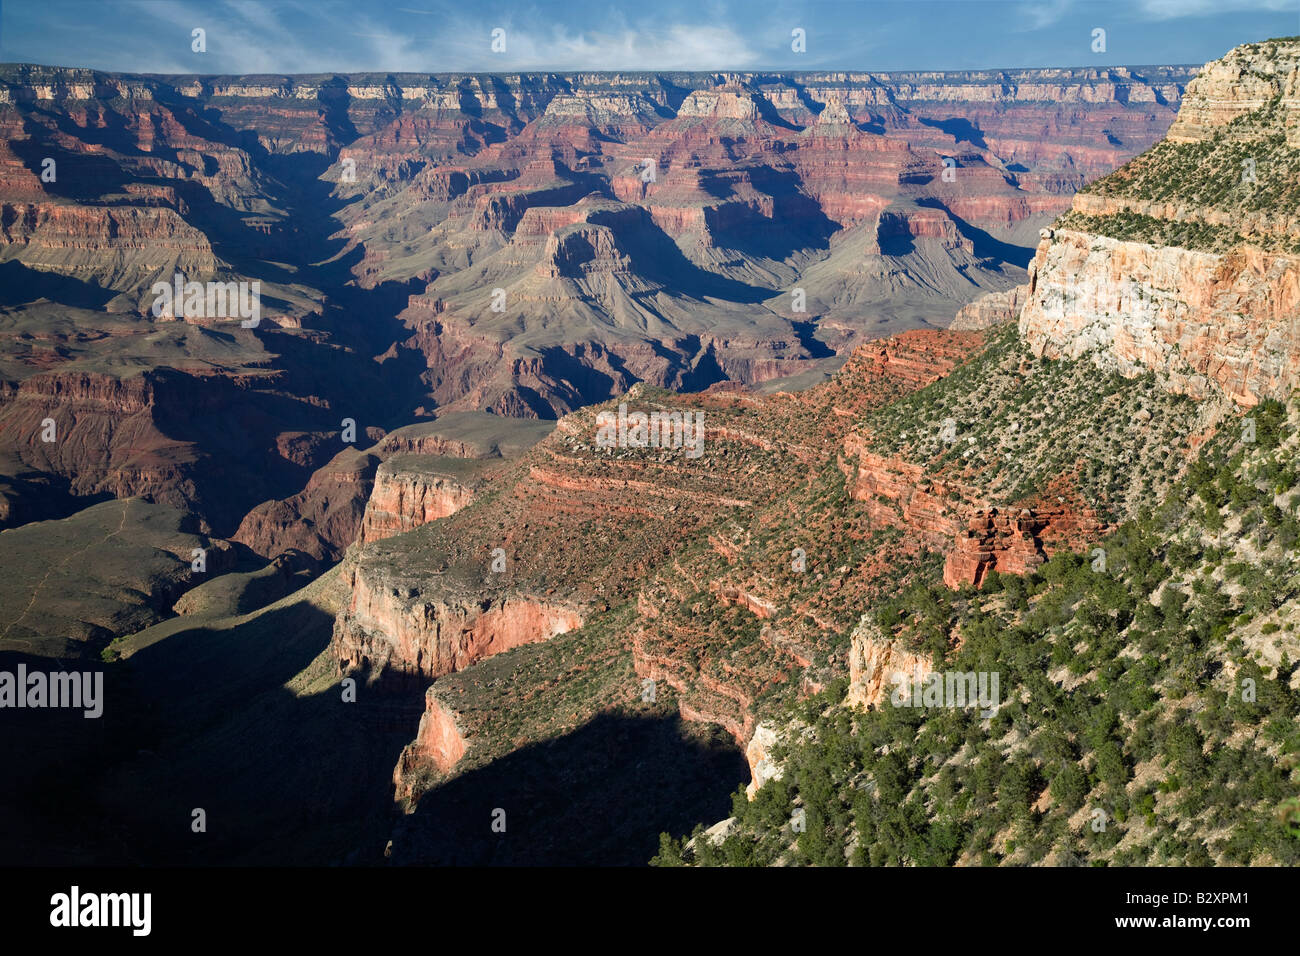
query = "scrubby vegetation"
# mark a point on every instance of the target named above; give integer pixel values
(1149, 702)
(1242, 174)
(998, 426)
(1138, 227)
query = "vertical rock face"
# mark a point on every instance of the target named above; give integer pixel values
(384, 626)
(952, 518)
(874, 662)
(456, 185)
(758, 754)
(898, 493)
(1249, 77)
(409, 477)
(992, 541)
(1187, 260)
(160, 434)
(1205, 321)
(407, 494)
(106, 436)
(996, 308)
(1014, 542)
(322, 519)
(438, 743)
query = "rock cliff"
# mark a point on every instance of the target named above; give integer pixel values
(874, 663)
(409, 491)
(1186, 262)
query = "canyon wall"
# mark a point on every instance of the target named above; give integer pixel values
(975, 536)
(413, 199)
(1015, 541)
(387, 627)
(408, 494)
(438, 743)
(996, 308)
(322, 519)
(1205, 321)
(874, 662)
(1186, 261)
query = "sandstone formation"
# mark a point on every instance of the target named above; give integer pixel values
(758, 754)
(1207, 322)
(583, 529)
(1247, 78)
(1162, 267)
(1013, 543)
(875, 661)
(996, 308)
(409, 491)
(438, 743)
(387, 627)
(412, 475)
(322, 519)
(465, 274)
(959, 514)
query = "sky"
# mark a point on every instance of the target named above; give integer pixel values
(435, 36)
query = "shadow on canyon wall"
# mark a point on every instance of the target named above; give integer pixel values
(202, 719)
(599, 796)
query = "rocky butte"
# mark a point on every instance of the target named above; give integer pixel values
(518, 600)
(1187, 260)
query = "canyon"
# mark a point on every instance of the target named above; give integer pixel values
(893, 302)
(499, 237)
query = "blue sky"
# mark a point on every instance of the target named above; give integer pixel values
(305, 36)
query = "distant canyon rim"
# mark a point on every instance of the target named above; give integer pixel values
(487, 400)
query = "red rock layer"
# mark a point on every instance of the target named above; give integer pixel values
(402, 500)
(379, 629)
(322, 519)
(1016, 541)
(438, 743)
(948, 517)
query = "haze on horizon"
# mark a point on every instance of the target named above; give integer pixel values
(437, 36)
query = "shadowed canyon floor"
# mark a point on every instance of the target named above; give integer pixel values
(377, 575)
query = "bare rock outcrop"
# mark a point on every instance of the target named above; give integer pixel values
(996, 308)
(1205, 321)
(1249, 77)
(387, 625)
(975, 536)
(438, 743)
(409, 491)
(874, 662)
(1155, 268)
(322, 519)
(758, 754)
(1014, 541)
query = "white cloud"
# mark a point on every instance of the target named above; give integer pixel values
(1177, 9)
(674, 47)
(1040, 14)
(296, 37)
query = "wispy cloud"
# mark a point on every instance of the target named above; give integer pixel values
(1041, 14)
(1177, 9)
(434, 36)
(677, 46)
(296, 37)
